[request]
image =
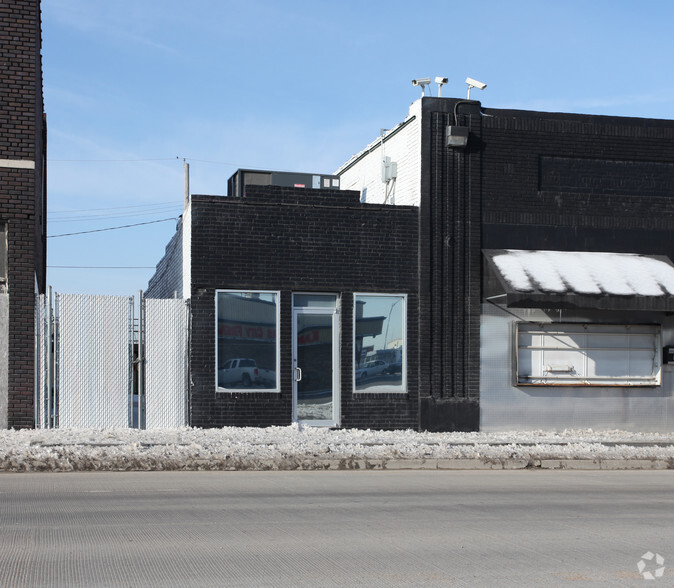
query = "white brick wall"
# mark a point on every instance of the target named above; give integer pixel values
(187, 252)
(404, 148)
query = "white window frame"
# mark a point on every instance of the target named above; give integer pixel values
(535, 363)
(402, 387)
(277, 387)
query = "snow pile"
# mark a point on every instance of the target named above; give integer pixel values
(297, 447)
(620, 274)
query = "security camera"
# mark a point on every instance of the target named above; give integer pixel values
(440, 81)
(423, 82)
(475, 84)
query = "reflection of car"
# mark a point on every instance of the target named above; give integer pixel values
(395, 368)
(238, 370)
(371, 368)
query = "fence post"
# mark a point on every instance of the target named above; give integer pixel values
(141, 359)
(49, 418)
(39, 355)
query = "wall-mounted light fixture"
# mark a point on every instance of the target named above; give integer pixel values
(457, 136)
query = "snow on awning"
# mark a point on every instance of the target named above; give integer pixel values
(580, 279)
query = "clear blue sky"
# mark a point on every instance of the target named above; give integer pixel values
(134, 86)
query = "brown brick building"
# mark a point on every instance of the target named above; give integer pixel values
(23, 205)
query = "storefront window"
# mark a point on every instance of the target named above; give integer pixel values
(379, 343)
(247, 352)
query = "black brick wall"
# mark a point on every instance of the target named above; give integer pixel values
(300, 240)
(578, 182)
(526, 180)
(22, 191)
(450, 268)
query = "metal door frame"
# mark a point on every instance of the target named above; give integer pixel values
(336, 396)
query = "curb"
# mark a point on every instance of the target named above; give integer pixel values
(522, 464)
(142, 461)
(464, 464)
(351, 464)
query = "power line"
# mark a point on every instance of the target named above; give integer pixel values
(101, 266)
(215, 162)
(114, 160)
(90, 217)
(146, 159)
(163, 203)
(163, 220)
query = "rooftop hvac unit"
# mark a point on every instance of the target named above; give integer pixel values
(236, 185)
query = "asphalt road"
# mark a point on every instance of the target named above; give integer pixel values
(390, 528)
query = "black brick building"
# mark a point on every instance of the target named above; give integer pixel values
(531, 182)
(22, 205)
(288, 244)
(529, 268)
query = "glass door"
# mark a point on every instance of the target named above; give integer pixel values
(315, 360)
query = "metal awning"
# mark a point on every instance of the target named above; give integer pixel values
(579, 279)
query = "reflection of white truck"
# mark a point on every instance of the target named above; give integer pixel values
(238, 370)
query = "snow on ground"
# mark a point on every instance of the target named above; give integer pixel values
(298, 447)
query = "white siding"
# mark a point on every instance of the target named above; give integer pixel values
(404, 148)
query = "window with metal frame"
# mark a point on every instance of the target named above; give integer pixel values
(247, 348)
(380, 346)
(570, 354)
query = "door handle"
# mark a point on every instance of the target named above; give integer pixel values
(298, 374)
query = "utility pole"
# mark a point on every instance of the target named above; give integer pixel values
(187, 183)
